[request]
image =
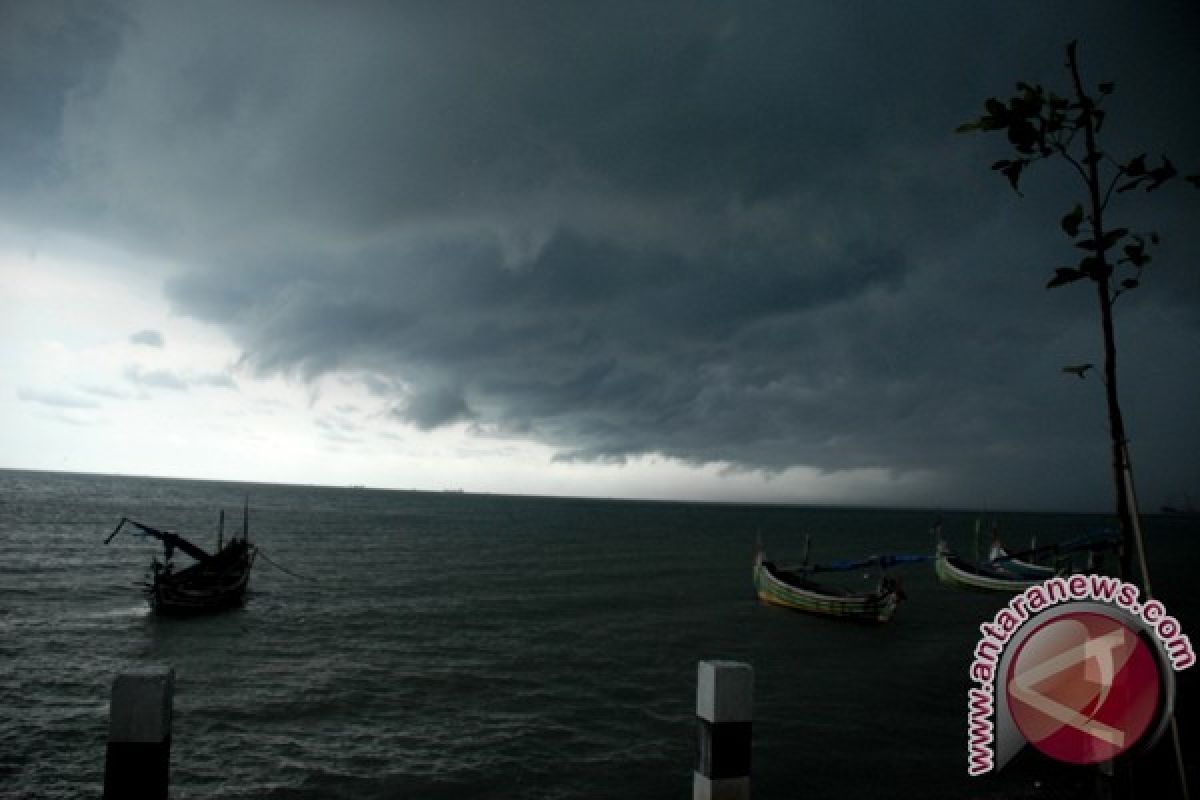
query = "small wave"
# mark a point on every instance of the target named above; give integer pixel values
(140, 610)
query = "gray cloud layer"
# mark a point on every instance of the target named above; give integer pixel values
(56, 399)
(169, 379)
(147, 337)
(727, 232)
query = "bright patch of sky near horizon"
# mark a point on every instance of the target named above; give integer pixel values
(79, 393)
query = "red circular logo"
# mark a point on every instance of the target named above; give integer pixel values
(1083, 688)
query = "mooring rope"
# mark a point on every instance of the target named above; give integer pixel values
(282, 568)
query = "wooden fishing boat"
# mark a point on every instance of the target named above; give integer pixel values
(794, 589)
(958, 572)
(215, 582)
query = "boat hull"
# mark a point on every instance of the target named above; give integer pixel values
(1023, 569)
(789, 591)
(953, 571)
(204, 588)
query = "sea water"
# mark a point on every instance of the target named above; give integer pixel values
(448, 645)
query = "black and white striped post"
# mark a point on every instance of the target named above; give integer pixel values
(137, 762)
(724, 715)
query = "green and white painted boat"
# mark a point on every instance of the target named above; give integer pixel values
(960, 573)
(792, 588)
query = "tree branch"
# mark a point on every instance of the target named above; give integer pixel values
(1113, 183)
(1062, 151)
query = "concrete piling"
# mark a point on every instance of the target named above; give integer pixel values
(724, 717)
(138, 757)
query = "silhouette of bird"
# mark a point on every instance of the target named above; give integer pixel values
(1078, 369)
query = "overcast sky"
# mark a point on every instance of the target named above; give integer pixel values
(723, 251)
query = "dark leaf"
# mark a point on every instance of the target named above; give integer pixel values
(1135, 254)
(1098, 115)
(1194, 180)
(1063, 276)
(1072, 221)
(1114, 236)
(1131, 185)
(1153, 237)
(1090, 267)
(1023, 136)
(1031, 102)
(1078, 369)
(1136, 167)
(1001, 164)
(1107, 88)
(1086, 244)
(1129, 283)
(1138, 260)
(1162, 174)
(967, 127)
(1012, 171)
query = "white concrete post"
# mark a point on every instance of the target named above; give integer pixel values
(137, 762)
(724, 716)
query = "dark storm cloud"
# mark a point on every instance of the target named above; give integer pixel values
(434, 407)
(723, 232)
(46, 50)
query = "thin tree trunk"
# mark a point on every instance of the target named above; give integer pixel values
(1116, 426)
(1116, 423)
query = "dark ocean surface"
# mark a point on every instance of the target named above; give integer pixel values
(469, 646)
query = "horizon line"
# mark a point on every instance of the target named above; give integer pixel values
(781, 503)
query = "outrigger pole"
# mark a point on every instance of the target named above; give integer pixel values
(169, 540)
(1140, 544)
